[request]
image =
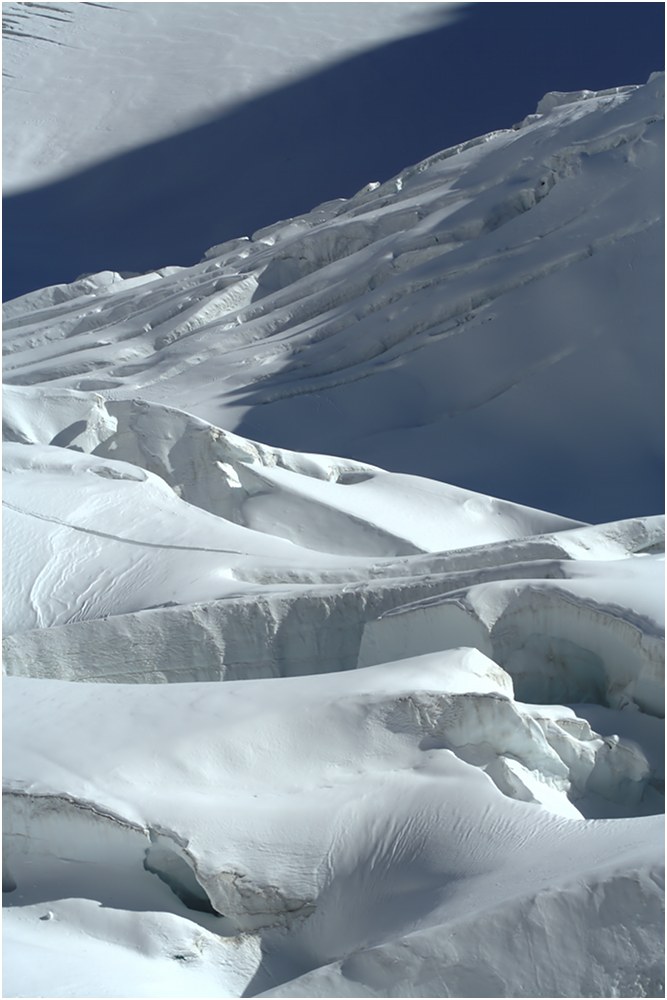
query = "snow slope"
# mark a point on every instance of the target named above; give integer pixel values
(286, 724)
(236, 115)
(125, 52)
(413, 326)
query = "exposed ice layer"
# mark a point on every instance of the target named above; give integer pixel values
(263, 637)
(597, 636)
(633, 727)
(288, 630)
(41, 831)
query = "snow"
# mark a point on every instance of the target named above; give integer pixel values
(598, 635)
(339, 769)
(413, 326)
(287, 712)
(270, 834)
(226, 54)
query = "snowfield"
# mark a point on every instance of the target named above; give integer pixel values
(279, 723)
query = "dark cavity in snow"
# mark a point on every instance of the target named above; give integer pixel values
(162, 860)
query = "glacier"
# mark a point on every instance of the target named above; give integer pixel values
(413, 326)
(287, 712)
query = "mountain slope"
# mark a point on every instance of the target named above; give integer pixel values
(237, 115)
(414, 326)
(278, 723)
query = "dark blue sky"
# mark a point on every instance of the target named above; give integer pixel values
(323, 137)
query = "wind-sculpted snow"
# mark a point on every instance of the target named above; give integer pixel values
(345, 820)
(297, 821)
(288, 724)
(475, 955)
(413, 326)
(331, 514)
(316, 501)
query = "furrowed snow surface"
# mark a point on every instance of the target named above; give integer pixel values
(285, 724)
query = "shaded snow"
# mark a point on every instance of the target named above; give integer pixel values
(279, 830)
(288, 724)
(225, 54)
(413, 326)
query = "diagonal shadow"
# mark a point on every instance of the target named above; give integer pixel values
(322, 137)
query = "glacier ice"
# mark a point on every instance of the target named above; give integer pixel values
(279, 723)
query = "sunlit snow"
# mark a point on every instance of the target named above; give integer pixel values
(286, 713)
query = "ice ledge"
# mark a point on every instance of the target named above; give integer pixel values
(556, 98)
(42, 828)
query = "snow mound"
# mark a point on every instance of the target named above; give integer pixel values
(357, 794)
(167, 485)
(476, 955)
(102, 949)
(300, 497)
